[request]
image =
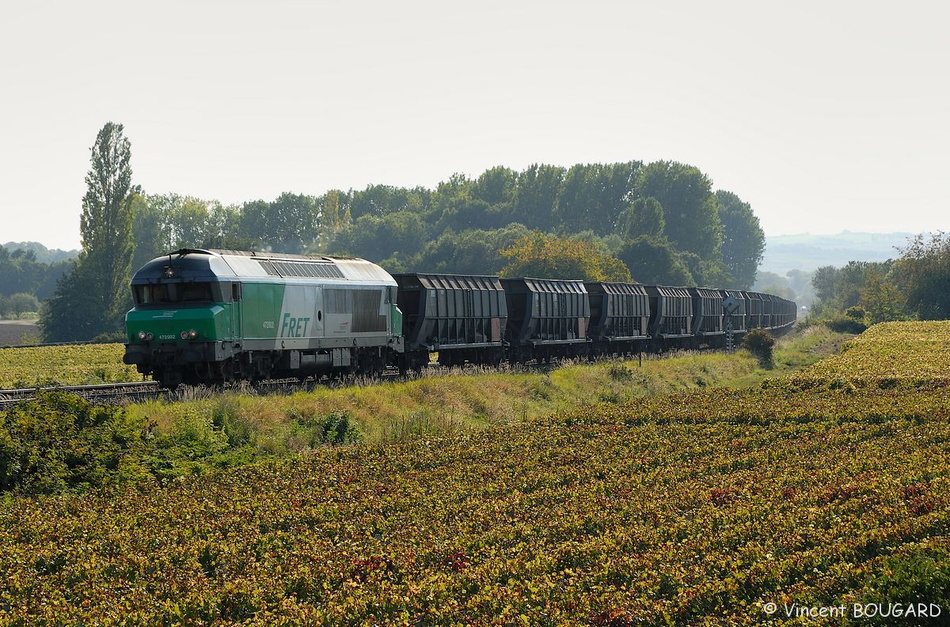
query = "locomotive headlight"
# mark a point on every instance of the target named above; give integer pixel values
(192, 334)
(143, 335)
(149, 336)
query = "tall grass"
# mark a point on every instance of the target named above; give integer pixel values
(445, 401)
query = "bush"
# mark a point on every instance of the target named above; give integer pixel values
(845, 324)
(759, 342)
(59, 441)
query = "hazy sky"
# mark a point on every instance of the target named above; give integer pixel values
(824, 116)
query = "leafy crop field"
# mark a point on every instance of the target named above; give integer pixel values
(699, 508)
(683, 509)
(64, 365)
(888, 354)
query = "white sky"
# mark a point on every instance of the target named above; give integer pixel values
(824, 116)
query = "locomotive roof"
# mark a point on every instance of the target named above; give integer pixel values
(215, 265)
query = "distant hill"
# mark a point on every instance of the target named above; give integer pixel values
(43, 254)
(808, 252)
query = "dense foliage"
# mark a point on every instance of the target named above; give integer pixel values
(912, 286)
(22, 274)
(689, 509)
(551, 257)
(923, 273)
(603, 206)
(59, 442)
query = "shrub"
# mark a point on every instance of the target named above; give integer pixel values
(759, 342)
(846, 324)
(59, 441)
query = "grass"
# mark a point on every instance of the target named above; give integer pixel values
(457, 400)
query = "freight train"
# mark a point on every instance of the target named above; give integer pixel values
(213, 316)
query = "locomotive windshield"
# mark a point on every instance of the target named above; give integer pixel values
(172, 293)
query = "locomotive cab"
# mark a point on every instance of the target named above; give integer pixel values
(184, 316)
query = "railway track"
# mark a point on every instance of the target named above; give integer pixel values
(106, 393)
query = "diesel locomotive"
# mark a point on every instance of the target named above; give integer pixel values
(213, 316)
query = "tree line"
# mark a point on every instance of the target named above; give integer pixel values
(912, 286)
(25, 280)
(660, 222)
(637, 214)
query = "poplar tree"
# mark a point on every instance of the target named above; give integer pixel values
(91, 298)
(106, 222)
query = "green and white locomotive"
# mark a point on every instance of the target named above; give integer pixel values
(210, 316)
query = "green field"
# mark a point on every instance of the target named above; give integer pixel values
(80, 364)
(690, 508)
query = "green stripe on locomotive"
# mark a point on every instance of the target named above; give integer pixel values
(209, 322)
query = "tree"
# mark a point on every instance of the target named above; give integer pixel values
(377, 238)
(923, 274)
(20, 303)
(335, 216)
(865, 285)
(496, 186)
(106, 222)
(689, 206)
(852, 280)
(655, 261)
(593, 196)
(573, 211)
(69, 314)
(824, 281)
(545, 256)
(743, 240)
(469, 252)
(223, 228)
(643, 218)
(379, 200)
(189, 222)
(92, 298)
(289, 224)
(149, 231)
(881, 299)
(536, 195)
(20, 272)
